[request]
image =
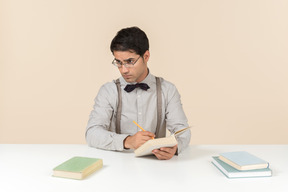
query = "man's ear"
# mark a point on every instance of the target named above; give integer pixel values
(146, 56)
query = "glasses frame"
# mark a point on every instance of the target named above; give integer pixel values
(127, 65)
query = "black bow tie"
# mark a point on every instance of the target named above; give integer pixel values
(131, 87)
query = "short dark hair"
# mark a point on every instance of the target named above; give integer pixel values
(132, 38)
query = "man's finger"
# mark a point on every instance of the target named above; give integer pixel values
(146, 133)
(168, 149)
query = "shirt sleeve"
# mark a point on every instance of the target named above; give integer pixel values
(97, 132)
(176, 118)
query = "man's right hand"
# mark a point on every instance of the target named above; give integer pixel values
(135, 141)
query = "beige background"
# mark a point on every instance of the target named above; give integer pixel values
(228, 59)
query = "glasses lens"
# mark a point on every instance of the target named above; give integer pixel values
(129, 65)
(116, 63)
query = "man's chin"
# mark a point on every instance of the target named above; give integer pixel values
(129, 80)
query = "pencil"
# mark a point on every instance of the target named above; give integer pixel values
(140, 127)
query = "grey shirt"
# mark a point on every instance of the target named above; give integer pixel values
(138, 105)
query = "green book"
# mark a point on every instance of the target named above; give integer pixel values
(231, 172)
(77, 167)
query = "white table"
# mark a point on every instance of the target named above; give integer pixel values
(29, 168)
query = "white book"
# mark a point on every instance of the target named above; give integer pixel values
(243, 160)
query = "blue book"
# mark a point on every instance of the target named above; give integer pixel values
(243, 160)
(231, 172)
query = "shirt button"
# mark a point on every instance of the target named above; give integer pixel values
(140, 113)
(139, 96)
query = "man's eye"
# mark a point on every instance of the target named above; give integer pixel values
(129, 61)
(118, 62)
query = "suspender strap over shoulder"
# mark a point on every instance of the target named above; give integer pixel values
(159, 108)
(119, 107)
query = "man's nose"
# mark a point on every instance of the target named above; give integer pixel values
(124, 69)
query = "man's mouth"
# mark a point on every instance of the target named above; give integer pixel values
(127, 76)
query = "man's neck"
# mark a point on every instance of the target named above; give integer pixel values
(146, 73)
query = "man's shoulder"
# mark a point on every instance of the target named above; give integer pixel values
(108, 87)
(166, 84)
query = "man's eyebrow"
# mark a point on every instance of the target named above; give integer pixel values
(125, 59)
(129, 59)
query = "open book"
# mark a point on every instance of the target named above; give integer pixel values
(150, 145)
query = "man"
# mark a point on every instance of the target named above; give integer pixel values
(153, 103)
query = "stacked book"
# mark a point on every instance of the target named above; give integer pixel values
(241, 164)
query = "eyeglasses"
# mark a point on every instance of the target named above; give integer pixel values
(127, 63)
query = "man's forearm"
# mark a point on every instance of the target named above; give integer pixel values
(99, 138)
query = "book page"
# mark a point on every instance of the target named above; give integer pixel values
(149, 146)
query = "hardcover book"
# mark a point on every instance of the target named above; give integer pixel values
(150, 145)
(77, 167)
(231, 172)
(243, 160)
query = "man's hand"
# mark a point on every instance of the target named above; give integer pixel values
(135, 141)
(165, 153)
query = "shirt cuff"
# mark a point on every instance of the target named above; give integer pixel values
(118, 142)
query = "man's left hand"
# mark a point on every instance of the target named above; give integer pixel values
(165, 153)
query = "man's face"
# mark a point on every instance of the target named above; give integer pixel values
(138, 71)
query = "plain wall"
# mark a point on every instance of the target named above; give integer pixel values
(228, 59)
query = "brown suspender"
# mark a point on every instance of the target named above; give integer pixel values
(159, 132)
(119, 107)
(159, 107)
